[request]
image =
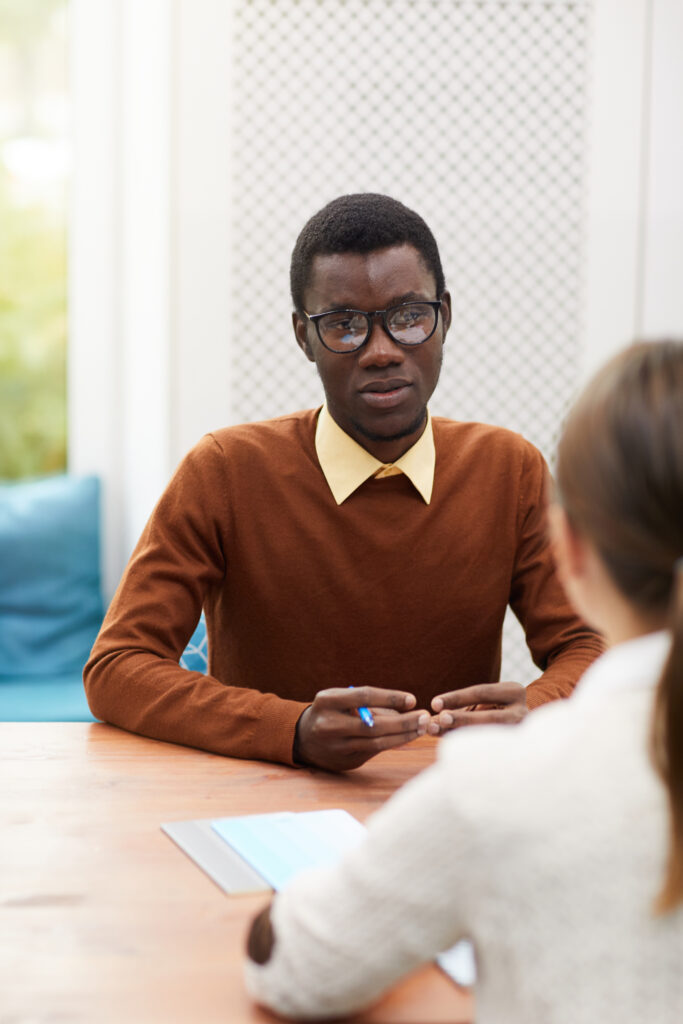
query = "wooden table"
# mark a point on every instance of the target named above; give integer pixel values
(104, 919)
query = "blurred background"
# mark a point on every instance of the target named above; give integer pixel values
(158, 158)
(35, 155)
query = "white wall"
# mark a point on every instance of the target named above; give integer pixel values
(662, 307)
(149, 247)
(634, 271)
(617, 161)
(203, 220)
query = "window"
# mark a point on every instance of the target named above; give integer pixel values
(34, 171)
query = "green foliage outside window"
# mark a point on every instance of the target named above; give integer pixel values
(33, 279)
(32, 342)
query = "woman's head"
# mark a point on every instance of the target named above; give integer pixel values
(620, 486)
(620, 470)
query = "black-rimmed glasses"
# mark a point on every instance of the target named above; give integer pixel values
(346, 330)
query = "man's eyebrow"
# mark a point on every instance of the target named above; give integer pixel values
(395, 300)
(408, 297)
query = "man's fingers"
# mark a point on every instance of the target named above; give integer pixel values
(336, 740)
(385, 725)
(484, 693)
(486, 704)
(348, 698)
(397, 725)
(448, 720)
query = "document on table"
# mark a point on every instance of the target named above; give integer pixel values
(257, 852)
(281, 845)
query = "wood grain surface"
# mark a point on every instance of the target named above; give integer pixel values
(104, 919)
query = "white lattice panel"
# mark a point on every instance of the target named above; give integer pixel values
(472, 113)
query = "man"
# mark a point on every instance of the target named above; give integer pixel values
(358, 556)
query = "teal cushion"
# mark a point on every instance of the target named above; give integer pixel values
(196, 655)
(50, 598)
(58, 698)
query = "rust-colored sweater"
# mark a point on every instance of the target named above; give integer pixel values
(301, 594)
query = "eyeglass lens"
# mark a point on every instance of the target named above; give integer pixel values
(409, 324)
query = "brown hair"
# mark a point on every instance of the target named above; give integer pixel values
(620, 480)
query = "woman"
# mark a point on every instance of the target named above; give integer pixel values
(556, 847)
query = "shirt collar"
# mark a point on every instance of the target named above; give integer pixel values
(633, 664)
(346, 465)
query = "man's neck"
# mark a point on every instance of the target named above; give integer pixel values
(390, 449)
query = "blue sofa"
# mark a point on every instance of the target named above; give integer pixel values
(51, 599)
(50, 596)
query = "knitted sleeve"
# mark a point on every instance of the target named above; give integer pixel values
(344, 936)
(561, 645)
(133, 678)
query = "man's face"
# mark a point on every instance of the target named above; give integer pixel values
(379, 393)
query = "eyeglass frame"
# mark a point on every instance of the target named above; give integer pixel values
(370, 316)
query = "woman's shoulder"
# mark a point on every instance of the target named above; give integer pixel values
(548, 765)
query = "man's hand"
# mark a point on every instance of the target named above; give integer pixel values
(331, 735)
(503, 703)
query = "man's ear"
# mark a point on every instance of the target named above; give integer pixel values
(446, 312)
(300, 326)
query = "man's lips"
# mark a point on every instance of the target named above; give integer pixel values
(385, 394)
(381, 387)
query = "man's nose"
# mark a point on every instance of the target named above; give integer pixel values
(380, 349)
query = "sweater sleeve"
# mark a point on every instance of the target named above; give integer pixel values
(561, 645)
(133, 678)
(344, 936)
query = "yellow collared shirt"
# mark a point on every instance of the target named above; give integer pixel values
(346, 465)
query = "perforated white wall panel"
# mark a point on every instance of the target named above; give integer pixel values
(472, 113)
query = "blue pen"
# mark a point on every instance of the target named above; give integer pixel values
(365, 714)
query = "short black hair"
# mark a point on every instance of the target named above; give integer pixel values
(363, 222)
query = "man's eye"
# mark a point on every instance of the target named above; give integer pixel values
(406, 317)
(343, 323)
(412, 316)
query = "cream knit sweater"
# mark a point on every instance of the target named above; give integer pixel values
(544, 844)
